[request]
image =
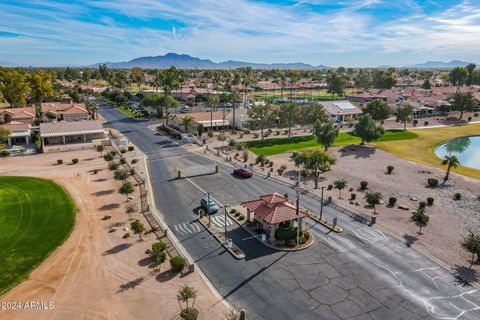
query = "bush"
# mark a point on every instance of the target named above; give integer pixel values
(392, 201)
(75, 160)
(425, 123)
(134, 161)
(178, 263)
(113, 166)
(430, 201)
(5, 153)
(222, 136)
(291, 243)
(415, 122)
(390, 169)
(122, 160)
(113, 153)
(123, 151)
(286, 233)
(363, 185)
(280, 171)
(131, 148)
(422, 205)
(283, 167)
(232, 143)
(432, 182)
(189, 313)
(210, 133)
(233, 211)
(255, 135)
(260, 159)
(108, 157)
(330, 187)
(126, 235)
(59, 161)
(159, 246)
(241, 218)
(246, 131)
(353, 196)
(457, 196)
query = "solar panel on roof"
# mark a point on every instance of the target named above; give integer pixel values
(344, 105)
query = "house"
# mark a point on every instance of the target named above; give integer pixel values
(23, 115)
(65, 111)
(191, 93)
(217, 120)
(20, 133)
(75, 135)
(273, 211)
(366, 97)
(341, 111)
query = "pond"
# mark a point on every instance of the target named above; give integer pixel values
(467, 150)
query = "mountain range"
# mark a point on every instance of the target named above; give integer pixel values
(184, 61)
(440, 64)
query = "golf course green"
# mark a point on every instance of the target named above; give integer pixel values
(36, 216)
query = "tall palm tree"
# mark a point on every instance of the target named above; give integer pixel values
(451, 162)
(340, 184)
(373, 199)
(234, 97)
(212, 103)
(186, 293)
(187, 121)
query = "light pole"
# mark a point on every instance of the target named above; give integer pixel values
(321, 205)
(298, 209)
(208, 209)
(225, 222)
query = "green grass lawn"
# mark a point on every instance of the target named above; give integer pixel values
(128, 112)
(270, 147)
(36, 216)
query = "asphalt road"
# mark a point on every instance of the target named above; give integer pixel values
(358, 274)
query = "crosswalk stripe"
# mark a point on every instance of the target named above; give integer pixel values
(370, 235)
(196, 226)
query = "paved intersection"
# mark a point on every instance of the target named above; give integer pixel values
(358, 274)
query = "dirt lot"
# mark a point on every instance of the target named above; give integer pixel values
(96, 274)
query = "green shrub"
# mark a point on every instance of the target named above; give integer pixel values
(210, 133)
(422, 205)
(178, 263)
(5, 153)
(330, 187)
(159, 257)
(390, 169)
(189, 313)
(286, 233)
(75, 160)
(241, 218)
(237, 214)
(432, 182)
(233, 211)
(123, 151)
(291, 243)
(392, 201)
(457, 196)
(59, 161)
(260, 159)
(363, 185)
(131, 148)
(159, 246)
(134, 161)
(353, 196)
(126, 235)
(113, 166)
(108, 157)
(122, 160)
(430, 201)
(232, 143)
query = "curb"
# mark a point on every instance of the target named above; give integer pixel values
(325, 223)
(236, 256)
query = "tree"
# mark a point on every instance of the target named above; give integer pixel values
(336, 84)
(289, 113)
(451, 162)
(367, 129)
(199, 130)
(4, 134)
(378, 109)
(470, 68)
(212, 103)
(312, 112)
(187, 121)
(463, 102)
(41, 85)
(126, 189)
(363, 80)
(404, 115)
(373, 199)
(261, 115)
(159, 102)
(14, 88)
(316, 162)
(234, 98)
(420, 218)
(131, 208)
(458, 76)
(121, 174)
(100, 149)
(137, 227)
(427, 85)
(137, 76)
(471, 243)
(326, 133)
(185, 294)
(340, 184)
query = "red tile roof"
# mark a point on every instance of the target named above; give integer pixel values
(19, 113)
(274, 208)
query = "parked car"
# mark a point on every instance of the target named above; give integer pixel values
(210, 206)
(242, 172)
(185, 109)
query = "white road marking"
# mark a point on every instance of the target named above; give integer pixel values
(187, 228)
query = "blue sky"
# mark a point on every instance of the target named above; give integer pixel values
(333, 33)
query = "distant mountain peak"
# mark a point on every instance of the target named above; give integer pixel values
(185, 61)
(440, 64)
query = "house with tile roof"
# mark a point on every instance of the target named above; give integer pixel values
(23, 115)
(20, 133)
(273, 211)
(64, 111)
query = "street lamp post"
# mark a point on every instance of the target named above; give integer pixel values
(208, 209)
(225, 222)
(321, 205)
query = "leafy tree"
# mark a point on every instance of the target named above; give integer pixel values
(312, 112)
(289, 114)
(100, 148)
(326, 133)
(108, 157)
(121, 174)
(41, 84)
(384, 80)
(404, 115)
(367, 129)
(458, 76)
(340, 185)
(336, 84)
(137, 76)
(159, 102)
(420, 218)
(316, 162)
(427, 85)
(378, 109)
(187, 122)
(137, 227)
(451, 162)
(373, 199)
(126, 189)
(464, 102)
(4, 134)
(261, 115)
(14, 88)
(131, 208)
(363, 80)
(471, 243)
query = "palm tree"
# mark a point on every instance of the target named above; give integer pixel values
(340, 184)
(373, 199)
(451, 162)
(187, 122)
(234, 97)
(420, 218)
(185, 294)
(100, 149)
(212, 103)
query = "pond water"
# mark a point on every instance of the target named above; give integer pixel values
(467, 150)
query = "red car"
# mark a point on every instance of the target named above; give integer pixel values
(242, 172)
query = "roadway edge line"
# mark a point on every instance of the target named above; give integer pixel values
(159, 217)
